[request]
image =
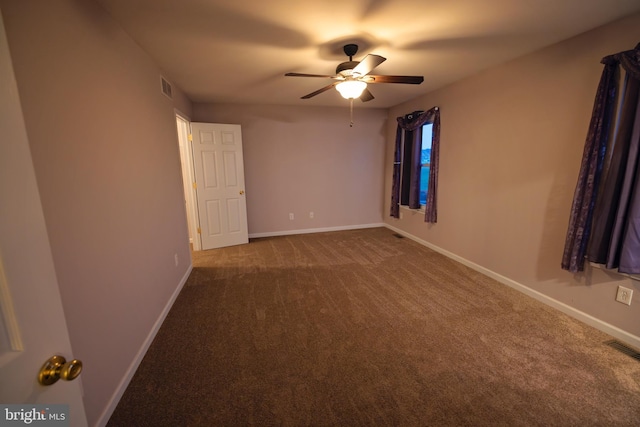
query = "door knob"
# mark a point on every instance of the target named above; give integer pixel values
(57, 368)
(241, 192)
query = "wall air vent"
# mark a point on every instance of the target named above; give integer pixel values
(166, 88)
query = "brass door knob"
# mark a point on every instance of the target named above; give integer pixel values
(57, 368)
(241, 192)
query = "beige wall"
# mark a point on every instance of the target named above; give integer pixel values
(511, 145)
(105, 152)
(301, 160)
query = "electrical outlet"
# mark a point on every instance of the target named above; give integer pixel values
(291, 216)
(624, 295)
(175, 258)
(311, 215)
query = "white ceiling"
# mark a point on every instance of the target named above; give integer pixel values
(226, 51)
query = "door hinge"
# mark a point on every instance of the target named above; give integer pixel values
(194, 185)
(199, 231)
(190, 137)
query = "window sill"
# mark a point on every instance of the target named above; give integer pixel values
(614, 271)
(407, 208)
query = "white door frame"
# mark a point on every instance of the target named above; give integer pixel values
(188, 178)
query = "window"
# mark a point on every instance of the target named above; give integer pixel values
(425, 159)
(415, 167)
(420, 160)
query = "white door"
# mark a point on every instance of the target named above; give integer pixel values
(32, 323)
(219, 173)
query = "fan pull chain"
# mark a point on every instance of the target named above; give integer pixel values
(351, 112)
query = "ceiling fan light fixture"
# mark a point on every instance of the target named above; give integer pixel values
(351, 89)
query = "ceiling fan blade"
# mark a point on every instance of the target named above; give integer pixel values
(368, 64)
(319, 91)
(412, 80)
(366, 95)
(308, 75)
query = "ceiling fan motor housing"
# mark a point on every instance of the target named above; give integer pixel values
(349, 65)
(349, 50)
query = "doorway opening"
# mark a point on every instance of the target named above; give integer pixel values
(188, 180)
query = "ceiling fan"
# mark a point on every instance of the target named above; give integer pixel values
(352, 76)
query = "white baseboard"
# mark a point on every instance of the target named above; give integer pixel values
(314, 230)
(605, 327)
(124, 383)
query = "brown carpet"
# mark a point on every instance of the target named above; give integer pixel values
(362, 328)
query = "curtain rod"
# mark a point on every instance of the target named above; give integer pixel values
(420, 112)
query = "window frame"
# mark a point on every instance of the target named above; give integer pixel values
(414, 163)
(407, 196)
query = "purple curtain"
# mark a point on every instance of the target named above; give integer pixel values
(395, 183)
(409, 130)
(431, 214)
(612, 204)
(590, 170)
(629, 247)
(410, 174)
(612, 211)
